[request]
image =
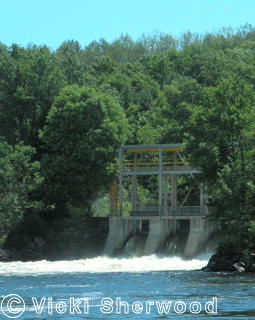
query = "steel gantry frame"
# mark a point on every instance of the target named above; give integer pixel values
(160, 167)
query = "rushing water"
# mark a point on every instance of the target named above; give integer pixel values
(146, 280)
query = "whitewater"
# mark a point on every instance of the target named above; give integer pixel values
(102, 265)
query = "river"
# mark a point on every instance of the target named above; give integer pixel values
(124, 288)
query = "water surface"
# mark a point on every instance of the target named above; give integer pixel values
(141, 280)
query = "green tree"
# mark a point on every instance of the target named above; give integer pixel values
(30, 80)
(83, 132)
(220, 141)
(19, 179)
(69, 55)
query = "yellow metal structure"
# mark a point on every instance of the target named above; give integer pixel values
(167, 163)
(154, 149)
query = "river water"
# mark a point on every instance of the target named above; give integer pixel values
(125, 288)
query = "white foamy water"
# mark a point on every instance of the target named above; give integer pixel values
(102, 264)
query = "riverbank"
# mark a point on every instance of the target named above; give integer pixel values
(70, 239)
(218, 263)
(7, 255)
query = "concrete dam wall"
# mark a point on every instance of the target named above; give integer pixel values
(159, 231)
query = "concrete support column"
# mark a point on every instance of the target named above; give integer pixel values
(200, 231)
(159, 231)
(119, 232)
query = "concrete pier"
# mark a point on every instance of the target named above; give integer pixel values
(199, 233)
(159, 231)
(119, 232)
(122, 229)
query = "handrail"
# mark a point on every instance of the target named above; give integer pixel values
(128, 164)
(153, 161)
(177, 213)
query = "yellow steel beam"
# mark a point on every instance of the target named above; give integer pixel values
(154, 149)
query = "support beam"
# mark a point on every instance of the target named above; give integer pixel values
(147, 171)
(134, 186)
(113, 194)
(121, 180)
(165, 195)
(206, 199)
(174, 187)
(160, 178)
(111, 201)
(203, 199)
(173, 192)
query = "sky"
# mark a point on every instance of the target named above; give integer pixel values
(51, 22)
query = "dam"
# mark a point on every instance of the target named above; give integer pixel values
(165, 220)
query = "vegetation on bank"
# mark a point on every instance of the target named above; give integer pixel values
(64, 114)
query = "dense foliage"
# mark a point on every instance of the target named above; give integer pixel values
(83, 130)
(64, 113)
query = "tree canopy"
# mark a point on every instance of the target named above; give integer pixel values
(83, 131)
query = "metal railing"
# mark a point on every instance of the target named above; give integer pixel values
(132, 165)
(184, 211)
